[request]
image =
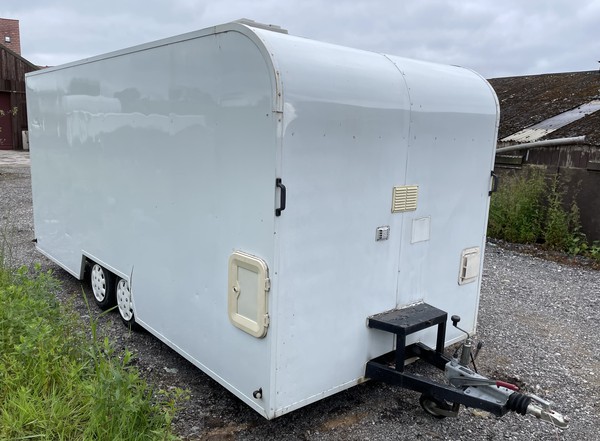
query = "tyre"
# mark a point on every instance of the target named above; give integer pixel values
(433, 406)
(103, 287)
(125, 304)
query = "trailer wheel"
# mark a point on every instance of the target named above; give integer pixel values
(103, 287)
(125, 303)
(432, 406)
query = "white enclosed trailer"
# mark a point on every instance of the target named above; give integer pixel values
(259, 196)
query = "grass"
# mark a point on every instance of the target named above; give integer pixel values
(59, 382)
(530, 208)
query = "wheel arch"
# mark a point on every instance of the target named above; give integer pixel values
(88, 259)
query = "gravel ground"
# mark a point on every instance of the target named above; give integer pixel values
(538, 318)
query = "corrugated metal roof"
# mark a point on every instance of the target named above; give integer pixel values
(539, 130)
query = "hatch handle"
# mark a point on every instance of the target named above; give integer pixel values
(494, 182)
(282, 196)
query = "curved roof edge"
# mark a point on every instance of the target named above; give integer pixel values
(242, 26)
(231, 26)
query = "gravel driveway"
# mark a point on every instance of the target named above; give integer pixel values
(538, 319)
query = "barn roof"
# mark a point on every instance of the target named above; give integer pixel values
(529, 100)
(12, 53)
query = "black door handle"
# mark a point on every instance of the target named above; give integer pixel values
(282, 196)
(495, 181)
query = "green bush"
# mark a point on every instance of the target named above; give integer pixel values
(529, 208)
(57, 383)
(558, 231)
(516, 210)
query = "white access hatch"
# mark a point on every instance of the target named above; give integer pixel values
(249, 285)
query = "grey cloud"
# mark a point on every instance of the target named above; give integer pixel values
(512, 37)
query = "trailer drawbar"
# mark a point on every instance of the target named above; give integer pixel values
(466, 386)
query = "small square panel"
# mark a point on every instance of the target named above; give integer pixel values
(420, 230)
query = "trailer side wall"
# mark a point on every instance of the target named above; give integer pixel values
(159, 163)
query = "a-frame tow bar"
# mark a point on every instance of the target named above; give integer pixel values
(465, 387)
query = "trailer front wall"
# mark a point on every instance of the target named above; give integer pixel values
(346, 120)
(356, 125)
(454, 123)
(158, 163)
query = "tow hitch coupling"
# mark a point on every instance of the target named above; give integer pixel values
(466, 385)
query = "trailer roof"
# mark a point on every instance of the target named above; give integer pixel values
(333, 73)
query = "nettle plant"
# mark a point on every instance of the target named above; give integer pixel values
(12, 111)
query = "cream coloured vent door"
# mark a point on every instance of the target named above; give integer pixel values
(248, 288)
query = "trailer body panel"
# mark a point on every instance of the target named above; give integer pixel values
(345, 182)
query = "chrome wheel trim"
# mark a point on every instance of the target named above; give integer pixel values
(124, 300)
(98, 279)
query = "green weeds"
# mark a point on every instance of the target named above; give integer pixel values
(529, 208)
(58, 383)
(516, 210)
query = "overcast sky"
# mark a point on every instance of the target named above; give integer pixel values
(494, 37)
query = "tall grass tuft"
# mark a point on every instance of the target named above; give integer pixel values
(57, 383)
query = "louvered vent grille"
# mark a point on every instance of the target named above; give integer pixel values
(405, 198)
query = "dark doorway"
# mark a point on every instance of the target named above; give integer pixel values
(6, 117)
